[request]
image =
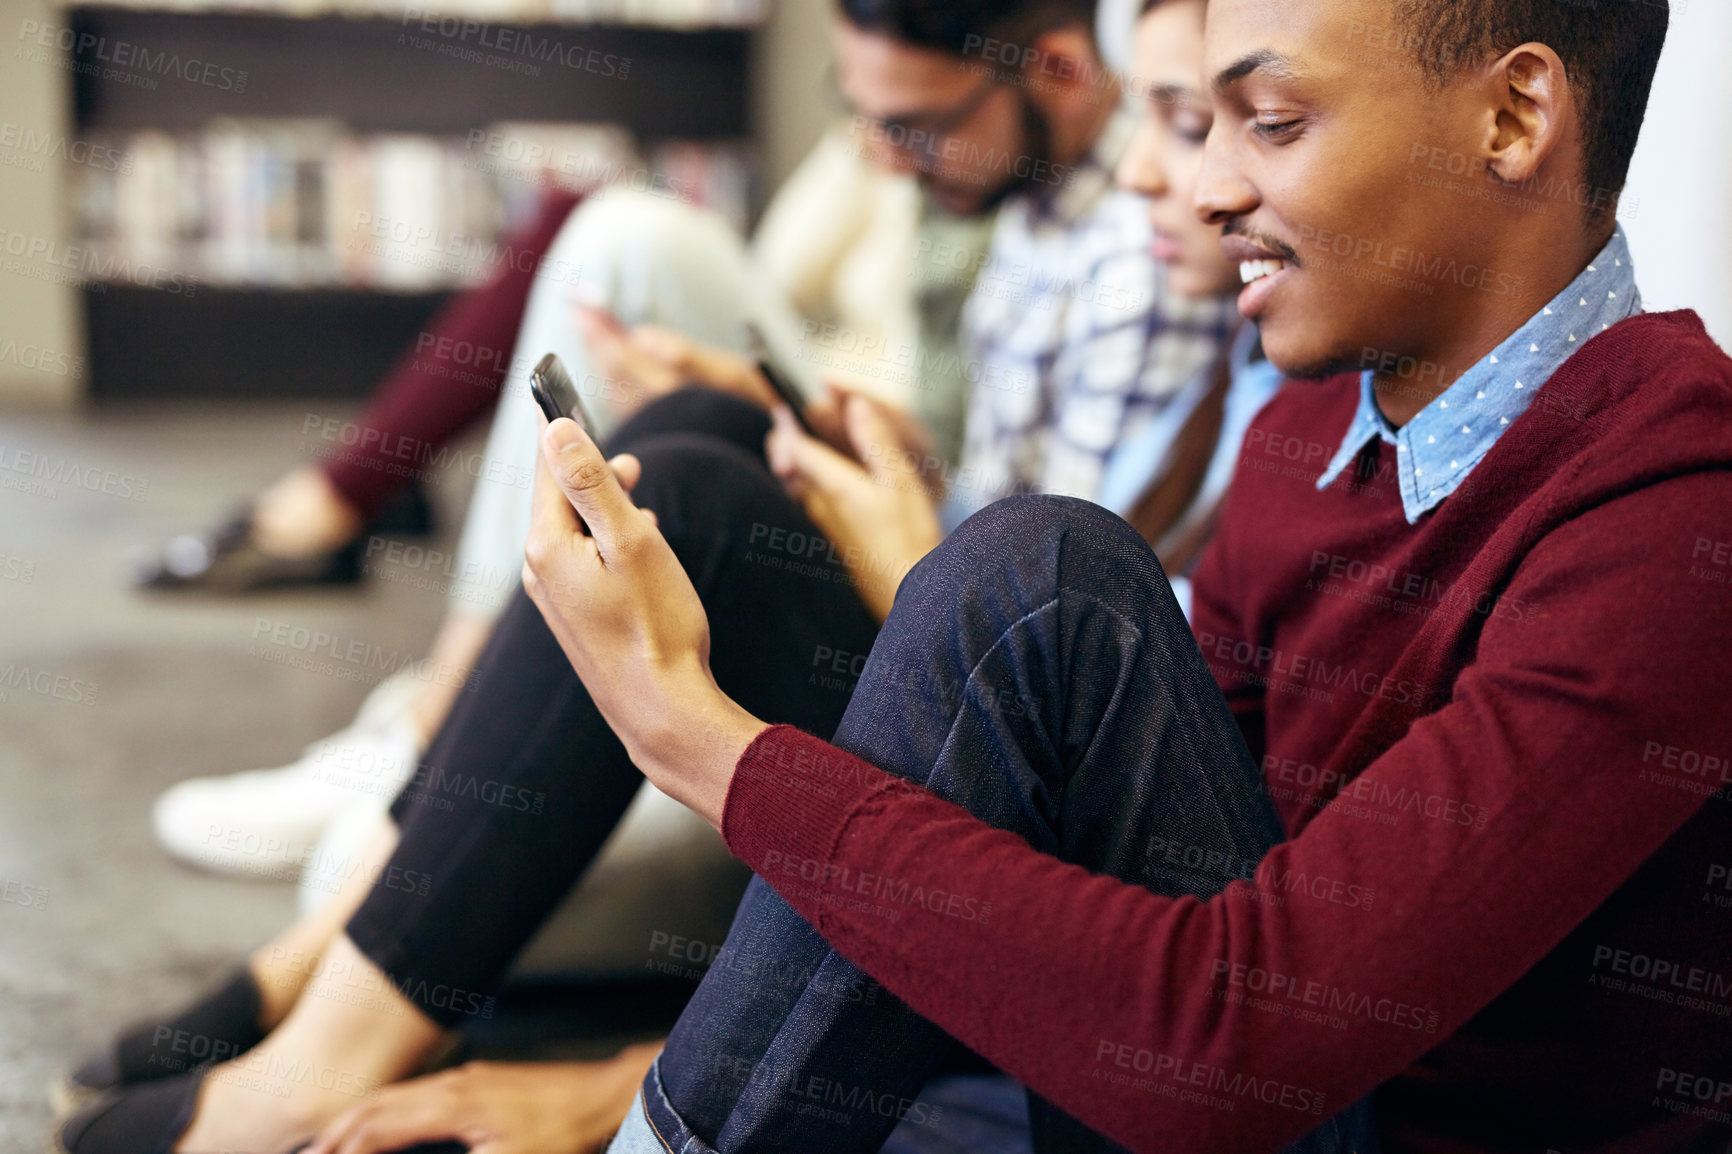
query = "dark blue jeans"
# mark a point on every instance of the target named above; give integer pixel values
(1037, 671)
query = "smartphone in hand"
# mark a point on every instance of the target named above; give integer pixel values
(552, 389)
(783, 388)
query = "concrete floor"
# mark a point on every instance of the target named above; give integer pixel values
(98, 926)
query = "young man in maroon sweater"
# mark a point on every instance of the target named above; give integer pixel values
(1467, 607)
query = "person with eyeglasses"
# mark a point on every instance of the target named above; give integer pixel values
(1071, 341)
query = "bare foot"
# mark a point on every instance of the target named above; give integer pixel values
(350, 1033)
(282, 967)
(303, 515)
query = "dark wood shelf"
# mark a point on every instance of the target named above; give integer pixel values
(239, 343)
(364, 71)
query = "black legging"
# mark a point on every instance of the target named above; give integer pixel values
(526, 781)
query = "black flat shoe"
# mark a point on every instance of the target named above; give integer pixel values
(150, 1119)
(227, 561)
(221, 1026)
(146, 1119)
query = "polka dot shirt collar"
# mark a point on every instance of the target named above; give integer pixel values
(1437, 450)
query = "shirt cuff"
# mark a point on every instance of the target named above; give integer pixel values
(791, 797)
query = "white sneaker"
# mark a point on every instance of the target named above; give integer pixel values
(341, 854)
(265, 823)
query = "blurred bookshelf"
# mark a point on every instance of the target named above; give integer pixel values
(289, 191)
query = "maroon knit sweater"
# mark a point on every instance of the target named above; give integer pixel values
(1501, 740)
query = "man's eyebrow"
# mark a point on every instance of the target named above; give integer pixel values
(1266, 60)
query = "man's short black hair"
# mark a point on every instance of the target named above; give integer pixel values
(955, 26)
(1610, 48)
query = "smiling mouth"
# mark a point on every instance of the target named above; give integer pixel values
(1251, 271)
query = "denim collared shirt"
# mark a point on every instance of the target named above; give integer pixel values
(1437, 450)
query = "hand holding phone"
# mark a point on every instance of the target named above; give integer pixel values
(552, 389)
(779, 384)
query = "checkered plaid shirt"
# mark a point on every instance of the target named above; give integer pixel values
(1073, 339)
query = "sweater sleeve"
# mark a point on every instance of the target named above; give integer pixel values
(1240, 1022)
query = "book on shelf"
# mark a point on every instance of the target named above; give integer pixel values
(306, 203)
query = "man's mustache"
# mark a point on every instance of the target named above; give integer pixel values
(1238, 227)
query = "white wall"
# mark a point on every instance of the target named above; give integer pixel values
(36, 313)
(791, 70)
(1678, 206)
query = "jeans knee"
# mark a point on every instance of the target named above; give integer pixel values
(1020, 551)
(1040, 517)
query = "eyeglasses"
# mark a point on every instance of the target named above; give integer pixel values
(922, 131)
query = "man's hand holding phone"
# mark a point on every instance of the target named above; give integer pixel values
(630, 622)
(881, 515)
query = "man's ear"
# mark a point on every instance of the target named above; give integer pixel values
(1065, 66)
(1534, 114)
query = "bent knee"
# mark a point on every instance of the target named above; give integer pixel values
(1026, 519)
(627, 225)
(1031, 546)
